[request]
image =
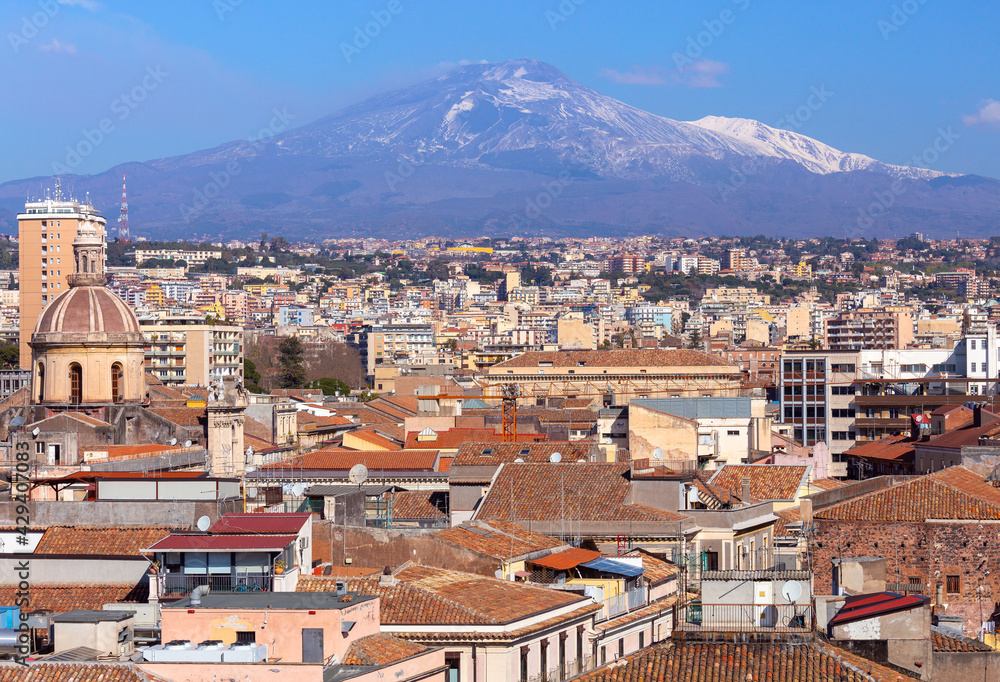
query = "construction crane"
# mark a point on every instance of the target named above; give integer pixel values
(511, 392)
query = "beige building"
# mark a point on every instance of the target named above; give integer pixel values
(46, 231)
(188, 350)
(614, 377)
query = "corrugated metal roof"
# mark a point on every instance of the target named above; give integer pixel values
(608, 565)
(864, 606)
(260, 523)
(567, 559)
(699, 408)
(223, 543)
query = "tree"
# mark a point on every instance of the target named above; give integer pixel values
(695, 342)
(438, 269)
(10, 356)
(814, 343)
(293, 372)
(11, 284)
(251, 376)
(330, 386)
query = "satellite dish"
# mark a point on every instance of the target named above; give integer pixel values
(204, 523)
(17, 421)
(791, 590)
(658, 453)
(607, 441)
(298, 489)
(555, 458)
(35, 431)
(252, 492)
(187, 443)
(519, 461)
(173, 441)
(358, 475)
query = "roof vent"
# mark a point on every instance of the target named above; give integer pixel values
(341, 588)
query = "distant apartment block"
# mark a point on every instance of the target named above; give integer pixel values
(187, 350)
(628, 264)
(870, 329)
(190, 257)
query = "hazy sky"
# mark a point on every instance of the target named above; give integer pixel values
(166, 78)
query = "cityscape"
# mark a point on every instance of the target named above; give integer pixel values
(496, 373)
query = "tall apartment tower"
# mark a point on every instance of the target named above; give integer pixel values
(46, 231)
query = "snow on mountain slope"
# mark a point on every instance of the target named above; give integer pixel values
(811, 154)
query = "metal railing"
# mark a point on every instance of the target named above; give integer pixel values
(696, 618)
(178, 584)
(905, 588)
(623, 603)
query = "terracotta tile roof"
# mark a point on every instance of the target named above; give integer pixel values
(131, 451)
(95, 541)
(63, 598)
(697, 662)
(495, 454)
(581, 491)
(373, 438)
(656, 570)
(767, 481)
(953, 644)
(499, 539)
(965, 435)
(566, 559)
(364, 415)
(381, 650)
(182, 416)
(785, 517)
(415, 504)
(435, 596)
(452, 439)
(953, 493)
(651, 358)
(335, 459)
(72, 672)
(827, 483)
(888, 449)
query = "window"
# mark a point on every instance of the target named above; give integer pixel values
(731, 432)
(847, 368)
(75, 383)
(246, 637)
(116, 376)
(621, 647)
(842, 390)
(972, 366)
(844, 414)
(953, 584)
(642, 640)
(972, 344)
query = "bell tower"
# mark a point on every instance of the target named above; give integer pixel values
(227, 401)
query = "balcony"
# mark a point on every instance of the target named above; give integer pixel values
(181, 584)
(623, 603)
(764, 619)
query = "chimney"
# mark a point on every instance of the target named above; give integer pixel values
(806, 513)
(745, 490)
(977, 415)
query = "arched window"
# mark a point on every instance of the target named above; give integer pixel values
(83, 263)
(75, 383)
(41, 382)
(116, 379)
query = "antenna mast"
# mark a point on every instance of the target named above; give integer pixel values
(124, 236)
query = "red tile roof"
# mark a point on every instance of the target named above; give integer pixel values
(335, 459)
(434, 596)
(63, 598)
(953, 493)
(414, 504)
(222, 543)
(827, 483)
(767, 481)
(888, 449)
(786, 517)
(381, 650)
(494, 454)
(373, 438)
(617, 358)
(453, 438)
(499, 539)
(72, 672)
(953, 644)
(99, 541)
(697, 662)
(579, 491)
(261, 523)
(182, 416)
(566, 559)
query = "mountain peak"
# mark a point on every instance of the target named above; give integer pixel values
(525, 69)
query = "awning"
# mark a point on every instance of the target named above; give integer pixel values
(567, 559)
(608, 565)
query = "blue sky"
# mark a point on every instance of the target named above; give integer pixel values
(174, 77)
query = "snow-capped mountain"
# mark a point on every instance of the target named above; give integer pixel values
(471, 152)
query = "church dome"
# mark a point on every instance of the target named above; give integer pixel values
(87, 310)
